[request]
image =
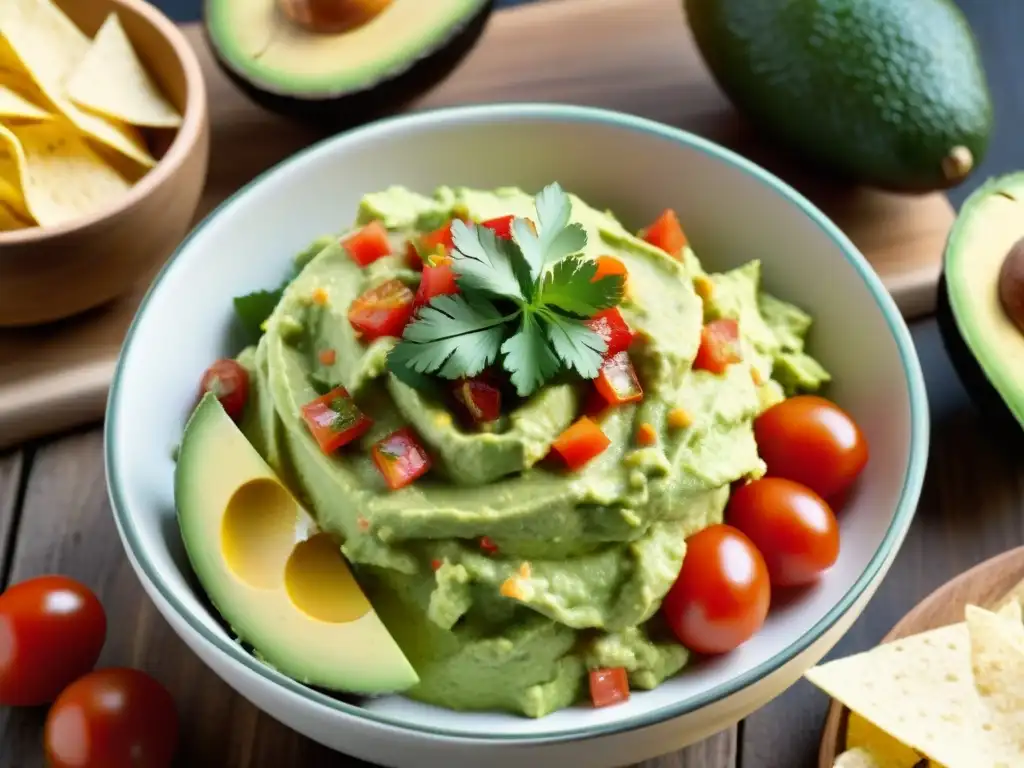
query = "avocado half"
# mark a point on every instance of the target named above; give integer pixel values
(346, 77)
(980, 306)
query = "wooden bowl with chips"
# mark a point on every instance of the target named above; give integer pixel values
(104, 141)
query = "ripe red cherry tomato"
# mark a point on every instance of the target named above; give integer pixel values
(229, 381)
(790, 524)
(112, 718)
(812, 441)
(721, 596)
(52, 629)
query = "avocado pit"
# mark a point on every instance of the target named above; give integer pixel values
(1011, 285)
(332, 16)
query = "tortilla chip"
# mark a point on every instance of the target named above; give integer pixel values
(49, 46)
(919, 690)
(112, 81)
(60, 177)
(856, 758)
(14, 105)
(10, 221)
(886, 751)
(997, 661)
(10, 184)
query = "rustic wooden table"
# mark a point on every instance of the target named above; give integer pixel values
(54, 517)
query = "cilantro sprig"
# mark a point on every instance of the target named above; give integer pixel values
(524, 301)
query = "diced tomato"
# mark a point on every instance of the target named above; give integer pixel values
(612, 327)
(437, 280)
(609, 686)
(400, 458)
(487, 545)
(436, 564)
(412, 256)
(440, 237)
(481, 399)
(580, 443)
(335, 419)
(666, 233)
(502, 226)
(609, 266)
(719, 346)
(382, 311)
(595, 404)
(228, 380)
(617, 380)
(368, 244)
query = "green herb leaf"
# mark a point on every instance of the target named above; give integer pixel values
(578, 346)
(254, 308)
(528, 357)
(571, 287)
(484, 262)
(557, 238)
(454, 336)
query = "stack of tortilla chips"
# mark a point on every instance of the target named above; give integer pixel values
(949, 698)
(72, 112)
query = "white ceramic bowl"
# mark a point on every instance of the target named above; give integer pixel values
(732, 211)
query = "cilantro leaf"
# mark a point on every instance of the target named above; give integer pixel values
(454, 336)
(254, 308)
(528, 357)
(577, 345)
(557, 238)
(484, 262)
(571, 287)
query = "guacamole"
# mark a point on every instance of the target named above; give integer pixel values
(503, 577)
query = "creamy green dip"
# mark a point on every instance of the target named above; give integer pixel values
(592, 552)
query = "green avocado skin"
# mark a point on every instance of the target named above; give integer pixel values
(878, 91)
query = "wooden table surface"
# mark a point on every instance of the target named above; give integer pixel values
(54, 517)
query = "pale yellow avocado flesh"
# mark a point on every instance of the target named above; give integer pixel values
(262, 45)
(282, 585)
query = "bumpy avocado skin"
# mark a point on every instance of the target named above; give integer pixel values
(879, 91)
(378, 98)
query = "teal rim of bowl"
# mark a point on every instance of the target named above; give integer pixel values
(905, 509)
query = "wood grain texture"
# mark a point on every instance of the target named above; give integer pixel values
(635, 56)
(987, 584)
(718, 751)
(11, 465)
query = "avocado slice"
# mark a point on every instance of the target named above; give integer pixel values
(389, 53)
(281, 584)
(888, 93)
(979, 307)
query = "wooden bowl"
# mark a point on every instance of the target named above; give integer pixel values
(48, 273)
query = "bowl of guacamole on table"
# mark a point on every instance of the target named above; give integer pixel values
(503, 457)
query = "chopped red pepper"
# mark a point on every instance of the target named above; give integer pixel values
(481, 399)
(617, 380)
(719, 346)
(327, 356)
(611, 326)
(502, 226)
(666, 233)
(580, 443)
(335, 419)
(228, 380)
(400, 458)
(609, 686)
(368, 244)
(440, 237)
(382, 311)
(609, 266)
(487, 545)
(437, 280)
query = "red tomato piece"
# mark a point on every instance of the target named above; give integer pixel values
(612, 327)
(480, 398)
(229, 382)
(112, 718)
(666, 233)
(790, 524)
(719, 346)
(812, 441)
(617, 380)
(52, 629)
(580, 443)
(609, 266)
(488, 546)
(368, 244)
(438, 240)
(382, 311)
(609, 686)
(335, 419)
(437, 280)
(721, 596)
(501, 226)
(400, 458)
(412, 256)
(595, 404)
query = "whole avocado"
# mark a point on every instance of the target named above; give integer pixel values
(889, 93)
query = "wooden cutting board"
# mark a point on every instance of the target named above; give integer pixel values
(632, 55)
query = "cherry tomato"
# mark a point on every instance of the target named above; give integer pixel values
(52, 629)
(112, 718)
(229, 381)
(721, 596)
(812, 441)
(792, 526)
